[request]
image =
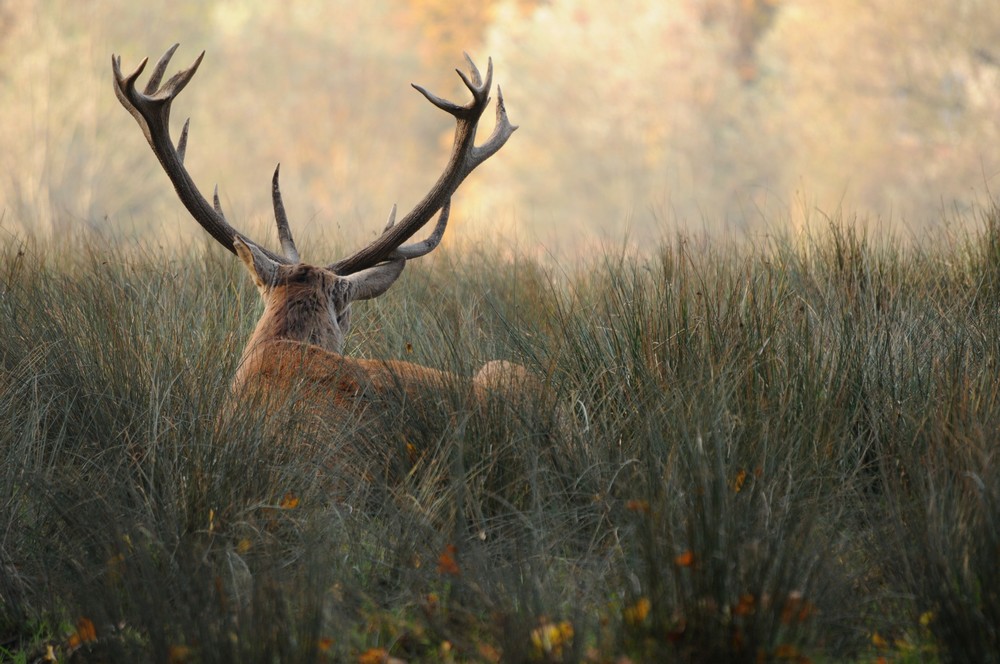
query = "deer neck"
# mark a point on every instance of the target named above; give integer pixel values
(301, 315)
(301, 318)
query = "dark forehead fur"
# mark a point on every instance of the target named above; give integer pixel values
(301, 279)
(301, 273)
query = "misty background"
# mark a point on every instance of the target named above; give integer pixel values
(637, 117)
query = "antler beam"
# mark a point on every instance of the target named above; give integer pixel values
(151, 109)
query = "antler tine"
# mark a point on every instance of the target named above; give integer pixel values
(426, 246)
(284, 230)
(151, 110)
(391, 221)
(183, 141)
(216, 203)
(465, 157)
(443, 104)
(501, 132)
(476, 78)
(159, 71)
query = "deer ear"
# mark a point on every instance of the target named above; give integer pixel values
(262, 269)
(374, 281)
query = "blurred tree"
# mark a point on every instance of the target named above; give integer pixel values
(753, 19)
(7, 17)
(728, 111)
(630, 111)
(449, 28)
(884, 108)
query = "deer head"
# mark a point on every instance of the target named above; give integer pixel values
(303, 302)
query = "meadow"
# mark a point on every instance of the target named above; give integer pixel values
(772, 450)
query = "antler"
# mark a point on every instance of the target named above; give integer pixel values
(465, 157)
(151, 109)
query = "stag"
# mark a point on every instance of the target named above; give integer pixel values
(299, 339)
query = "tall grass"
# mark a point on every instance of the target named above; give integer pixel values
(775, 452)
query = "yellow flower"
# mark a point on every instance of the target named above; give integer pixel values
(549, 638)
(637, 613)
(178, 654)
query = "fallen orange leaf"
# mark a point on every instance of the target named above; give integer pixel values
(638, 506)
(85, 632)
(745, 606)
(446, 561)
(786, 651)
(685, 559)
(488, 653)
(374, 656)
(738, 481)
(289, 501)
